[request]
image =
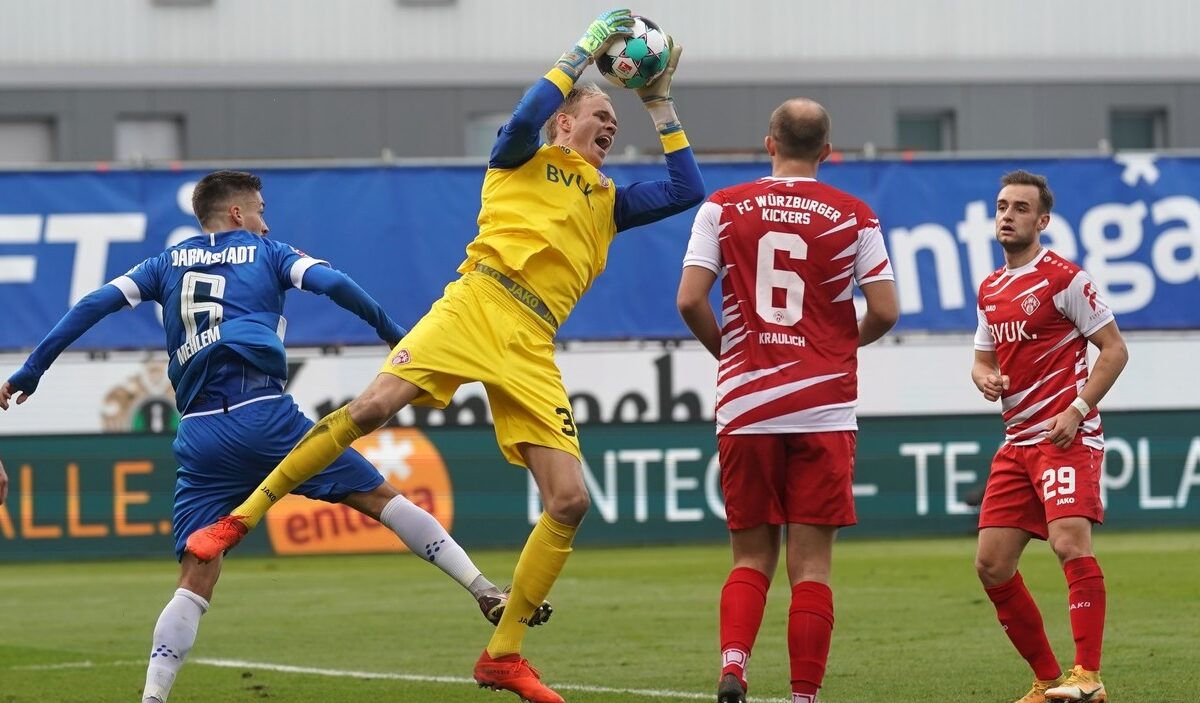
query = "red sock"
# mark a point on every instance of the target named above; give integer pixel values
(743, 600)
(1022, 623)
(1085, 586)
(810, 628)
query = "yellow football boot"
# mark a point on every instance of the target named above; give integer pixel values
(1037, 694)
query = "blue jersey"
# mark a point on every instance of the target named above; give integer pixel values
(222, 297)
(220, 291)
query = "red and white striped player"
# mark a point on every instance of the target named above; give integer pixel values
(789, 251)
(1036, 317)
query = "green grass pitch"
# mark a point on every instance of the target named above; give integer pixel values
(630, 625)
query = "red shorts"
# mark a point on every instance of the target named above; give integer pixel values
(775, 479)
(1033, 485)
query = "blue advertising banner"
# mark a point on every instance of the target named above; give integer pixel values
(1133, 221)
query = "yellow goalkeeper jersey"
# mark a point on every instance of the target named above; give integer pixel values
(547, 223)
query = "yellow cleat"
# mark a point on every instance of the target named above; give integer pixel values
(1080, 685)
(1037, 694)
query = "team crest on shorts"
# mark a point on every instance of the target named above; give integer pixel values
(401, 357)
(1029, 304)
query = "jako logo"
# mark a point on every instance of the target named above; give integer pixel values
(407, 460)
(1081, 604)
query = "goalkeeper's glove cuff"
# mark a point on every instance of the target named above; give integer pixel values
(662, 111)
(573, 62)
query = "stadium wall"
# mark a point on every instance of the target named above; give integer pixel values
(276, 121)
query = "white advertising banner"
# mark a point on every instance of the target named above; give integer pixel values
(629, 382)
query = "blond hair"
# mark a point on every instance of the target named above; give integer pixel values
(570, 106)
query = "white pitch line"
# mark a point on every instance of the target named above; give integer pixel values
(344, 673)
(70, 665)
(347, 673)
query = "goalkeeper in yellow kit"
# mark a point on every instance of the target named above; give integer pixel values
(547, 219)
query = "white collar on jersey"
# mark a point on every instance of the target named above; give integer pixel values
(1025, 268)
(788, 178)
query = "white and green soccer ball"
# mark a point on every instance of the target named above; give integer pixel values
(634, 61)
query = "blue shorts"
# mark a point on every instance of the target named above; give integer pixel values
(223, 456)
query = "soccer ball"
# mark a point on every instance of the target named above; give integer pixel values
(632, 62)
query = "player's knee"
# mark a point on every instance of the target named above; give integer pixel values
(569, 508)
(993, 571)
(369, 411)
(1067, 548)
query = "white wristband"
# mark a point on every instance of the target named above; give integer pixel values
(1081, 405)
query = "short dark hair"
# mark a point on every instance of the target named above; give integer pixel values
(570, 106)
(214, 191)
(1025, 178)
(800, 133)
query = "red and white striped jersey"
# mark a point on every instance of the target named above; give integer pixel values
(1037, 319)
(789, 252)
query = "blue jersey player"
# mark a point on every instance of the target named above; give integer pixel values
(222, 296)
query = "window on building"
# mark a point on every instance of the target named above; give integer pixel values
(925, 131)
(481, 133)
(148, 138)
(1137, 128)
(27, 141)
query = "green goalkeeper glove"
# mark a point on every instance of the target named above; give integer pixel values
(656, 96)
(600, 33)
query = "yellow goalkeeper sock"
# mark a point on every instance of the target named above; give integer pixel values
(541, 562)
(315, 451)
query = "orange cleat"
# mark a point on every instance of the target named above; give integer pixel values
(1037, 694)
(210, 542)
(513, 673)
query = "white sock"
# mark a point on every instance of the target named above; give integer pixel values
(426, 537)
(174, 634)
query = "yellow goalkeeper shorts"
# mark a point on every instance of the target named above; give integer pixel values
(478, 332)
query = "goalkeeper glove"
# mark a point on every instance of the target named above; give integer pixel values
(600, 33)
(656, 96)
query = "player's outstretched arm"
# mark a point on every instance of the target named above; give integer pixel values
(519, 138)
(342, 290)
(650, 201)
(883, 310)
(94, 306)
